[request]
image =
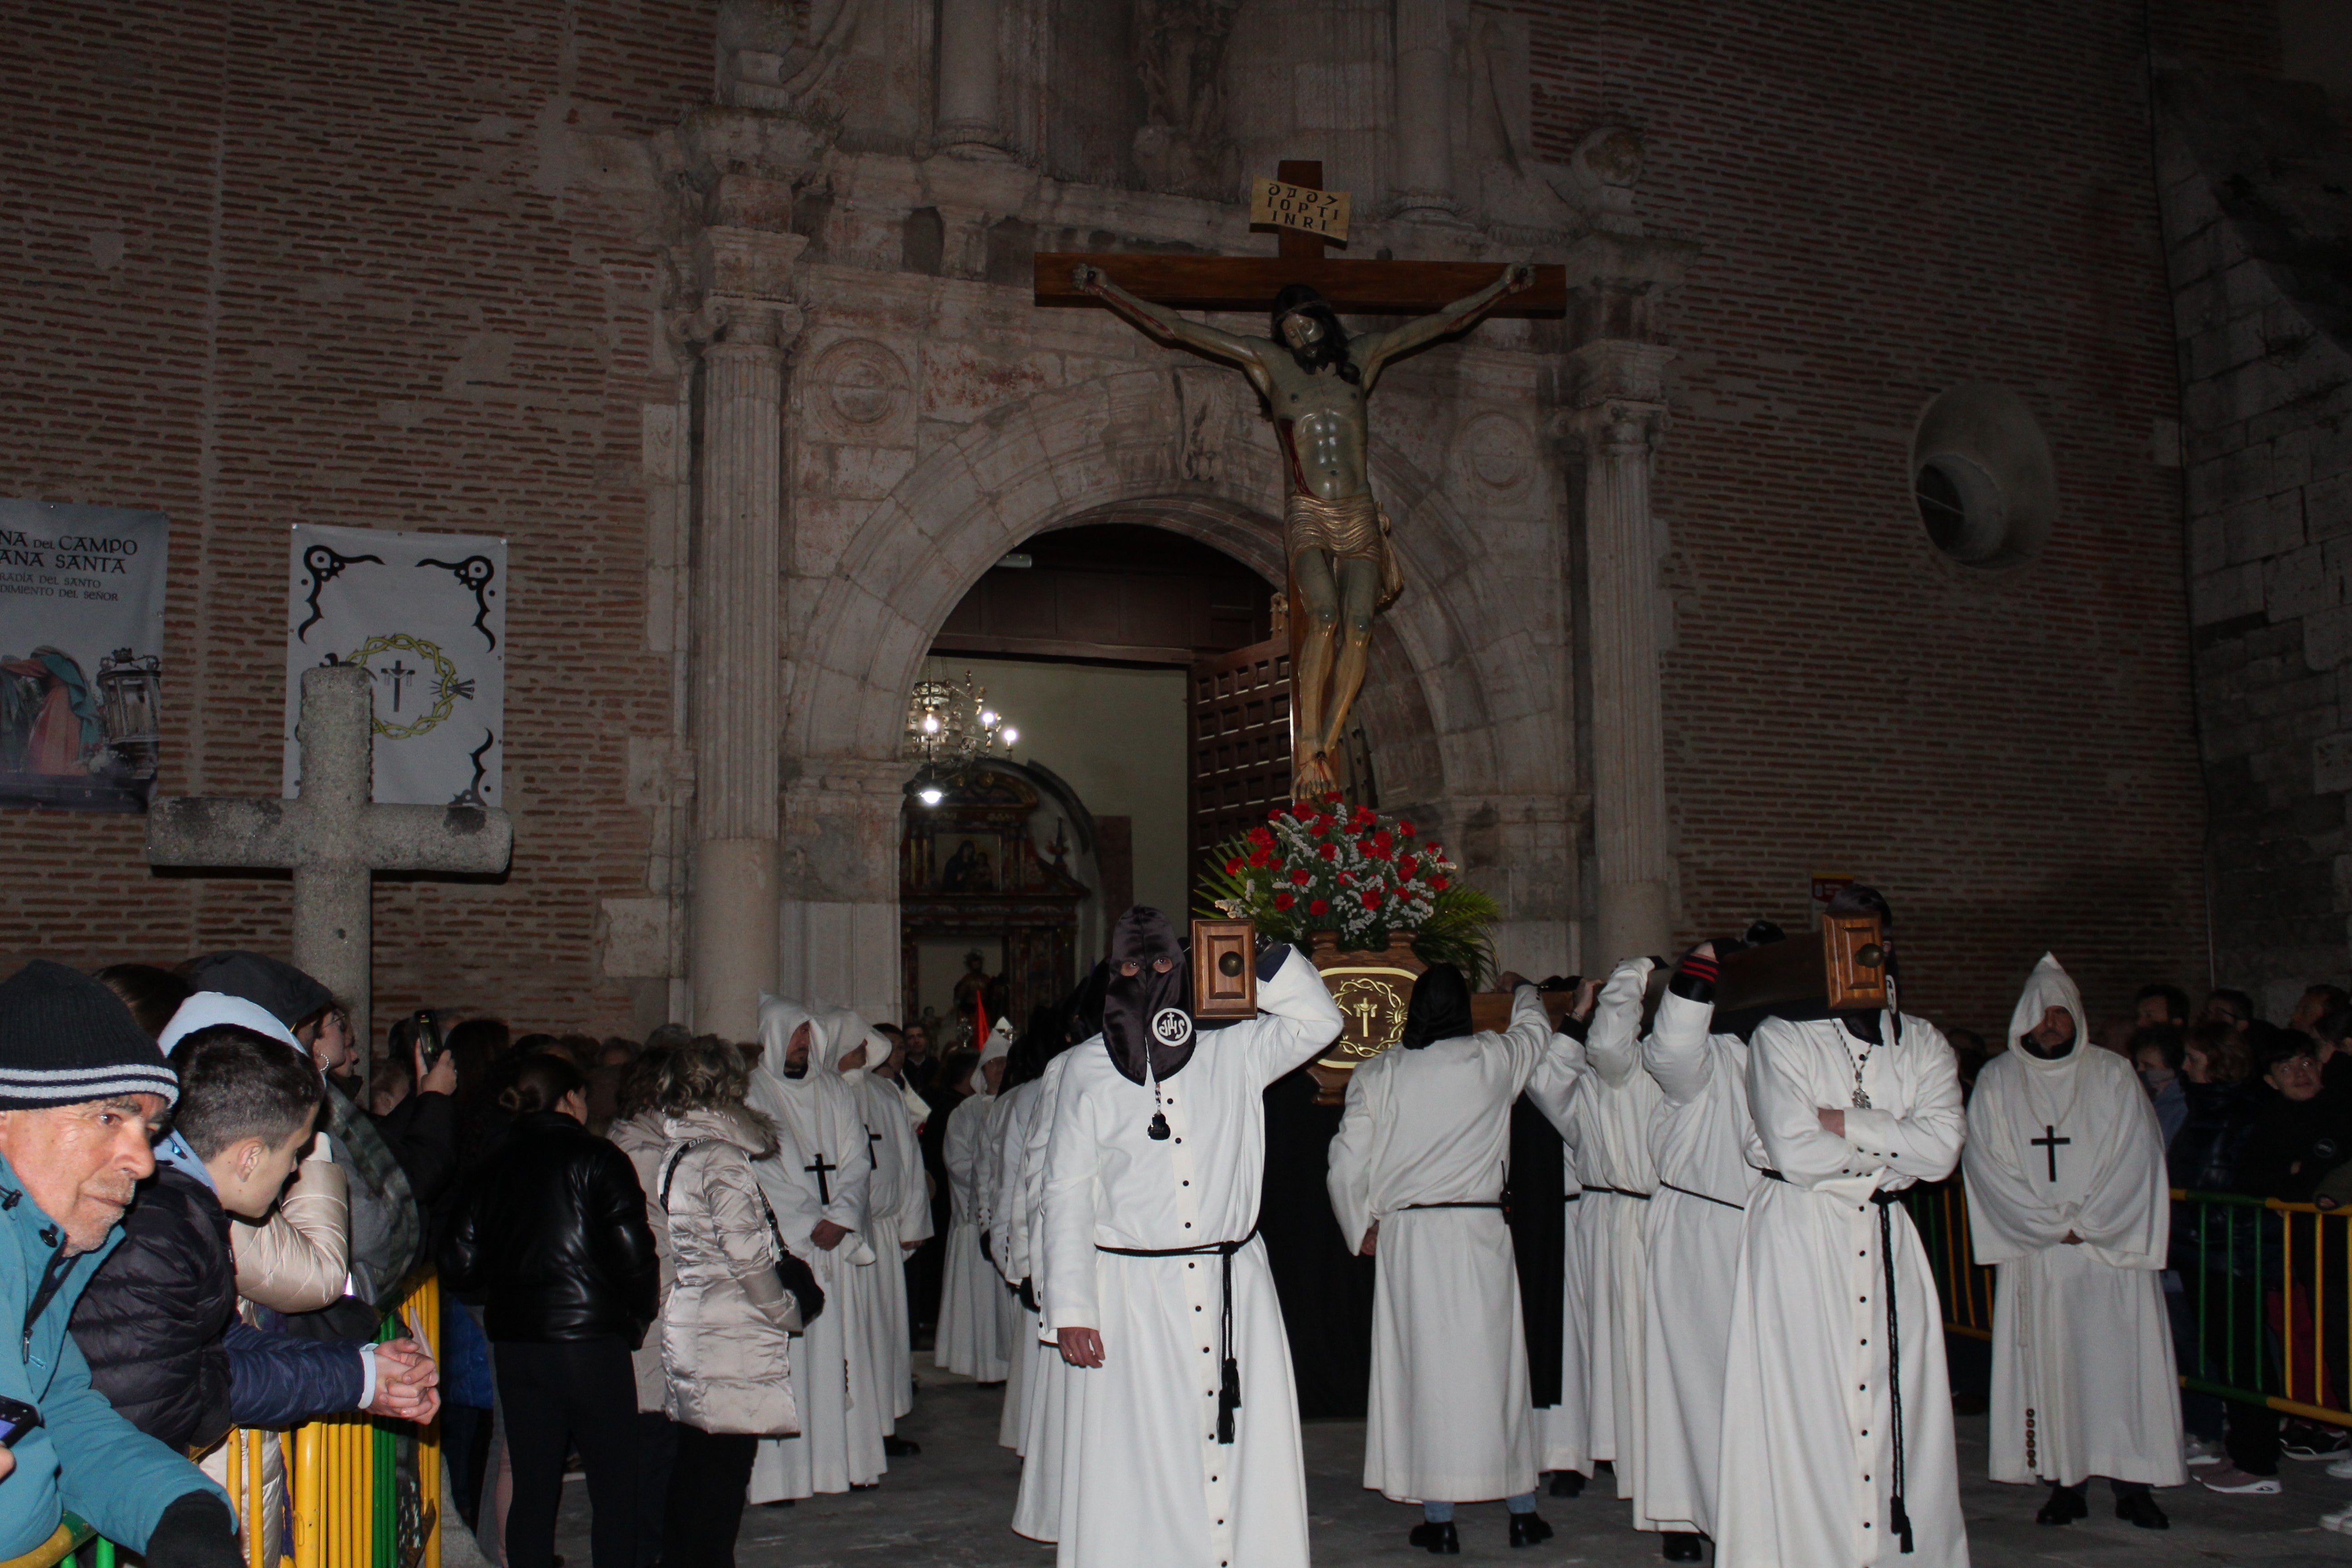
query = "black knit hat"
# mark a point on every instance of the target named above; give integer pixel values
(271, 982)
(65, 1039)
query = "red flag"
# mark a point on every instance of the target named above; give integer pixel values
(979, 1022)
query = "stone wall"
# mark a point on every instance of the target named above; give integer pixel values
(466, 268)
(2254, 173)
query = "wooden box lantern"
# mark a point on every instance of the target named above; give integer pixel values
(1845, 968)
(1224, 970)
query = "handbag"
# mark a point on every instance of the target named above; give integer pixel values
(797, 1278)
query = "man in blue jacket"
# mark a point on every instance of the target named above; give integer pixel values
(83, 1092)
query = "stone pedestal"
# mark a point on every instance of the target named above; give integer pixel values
(1618, 428)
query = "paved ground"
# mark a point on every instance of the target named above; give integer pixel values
(949, 1507)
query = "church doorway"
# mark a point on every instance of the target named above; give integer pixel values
(1106, 645)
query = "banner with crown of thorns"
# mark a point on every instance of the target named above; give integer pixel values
(425, 614)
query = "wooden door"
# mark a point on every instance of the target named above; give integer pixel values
(1240, 741)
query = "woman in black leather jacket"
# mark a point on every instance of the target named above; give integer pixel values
(553, 1234)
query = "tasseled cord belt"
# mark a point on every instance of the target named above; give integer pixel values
(1229, 1397)
(1898, 1518)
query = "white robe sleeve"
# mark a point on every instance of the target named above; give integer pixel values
(957, 1152)
(1529, 1037)
(1785, 1109)
(1004, 1211)
(1924, 1142)
(2126, 1219)
(2010, 1215)
(1676, 1053)
(1349, 1180)
(789, 1195)
(1027, 1232)
(1552, 1085)
(915, 1221)
(1297, 1019)
(847, 1208)
(1614, 1048)
(1072, 1190)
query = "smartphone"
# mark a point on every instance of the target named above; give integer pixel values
(17, 1418)
(428, 1037)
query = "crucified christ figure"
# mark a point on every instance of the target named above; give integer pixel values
(1315, 379)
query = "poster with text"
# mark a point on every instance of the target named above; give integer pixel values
(425, 614)
(81, 654)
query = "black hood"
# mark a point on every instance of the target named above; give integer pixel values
(1147, 1011)
(1440, 1008)
(288, 994)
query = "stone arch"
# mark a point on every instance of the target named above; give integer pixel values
(1110, 449)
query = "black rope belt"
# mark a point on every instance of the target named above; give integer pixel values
(1570, 1197)
(1229, 1397)
(1897, 1518)
(1709, 1197)
(1465, 1205)
(1620, 1192)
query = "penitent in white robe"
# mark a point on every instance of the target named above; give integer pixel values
(1807, 1459)
(1423, 1152)
(899, 1206)
(972, 1303)
(1699, 1141)
(1154, 1488)
(1610, 1113)
(2083, 1375)
(835, 1379)
(1049, 1406)
(1016, 1110)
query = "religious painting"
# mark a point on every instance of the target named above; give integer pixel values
(972, 866)
(81, 654)
(425, 614)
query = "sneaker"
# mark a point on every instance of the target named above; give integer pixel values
(2229, 1479)
(2340, 1522)
(2309, 1440)
(2341, 1469)
(2203, 1451)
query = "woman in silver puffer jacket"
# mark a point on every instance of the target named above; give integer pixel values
(728, 1320)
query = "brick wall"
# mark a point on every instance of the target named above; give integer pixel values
(400, 266)
(1893, 199)
(354, 264)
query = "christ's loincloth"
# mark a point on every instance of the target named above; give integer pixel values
(1355, 529)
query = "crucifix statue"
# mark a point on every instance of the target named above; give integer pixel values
(333, 836)
(1315, 380)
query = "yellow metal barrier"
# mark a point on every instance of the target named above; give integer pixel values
(2267, 1285)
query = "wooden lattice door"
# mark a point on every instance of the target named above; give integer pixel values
(1240, 741)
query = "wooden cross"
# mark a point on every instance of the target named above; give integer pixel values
(333, 837)
(2048, 1144)
(823, 1187)
(1251, 282)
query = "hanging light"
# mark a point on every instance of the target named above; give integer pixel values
(949, 727)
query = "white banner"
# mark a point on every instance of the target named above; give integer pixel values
(426, 614)
(81, 654)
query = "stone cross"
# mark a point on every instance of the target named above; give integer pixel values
(333, 836)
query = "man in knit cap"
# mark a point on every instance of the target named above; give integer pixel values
(83, 1092)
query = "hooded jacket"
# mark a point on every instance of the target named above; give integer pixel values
(84, 1456)
(726, 1337)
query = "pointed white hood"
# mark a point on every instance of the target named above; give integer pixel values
(206, 1008)
(2048, 986)
(999, 1042)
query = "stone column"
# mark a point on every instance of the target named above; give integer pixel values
(1623, 544)
(735, 698)
(969, 124)
(1423, 137)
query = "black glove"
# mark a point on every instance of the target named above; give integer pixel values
(196, 1531)
(1270, 962)
(801, 1280)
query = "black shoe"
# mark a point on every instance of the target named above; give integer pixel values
(1436, 1537)
(2065, 1506)
(901, 1448)
(1527, 1529)
(1680, 1546)
(779, 1503)
(1567, 1483)
(2140, 1510)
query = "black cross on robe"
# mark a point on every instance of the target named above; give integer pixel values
(2048, 1143)
(823, 1187)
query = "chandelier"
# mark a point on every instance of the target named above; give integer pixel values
(950, 726)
